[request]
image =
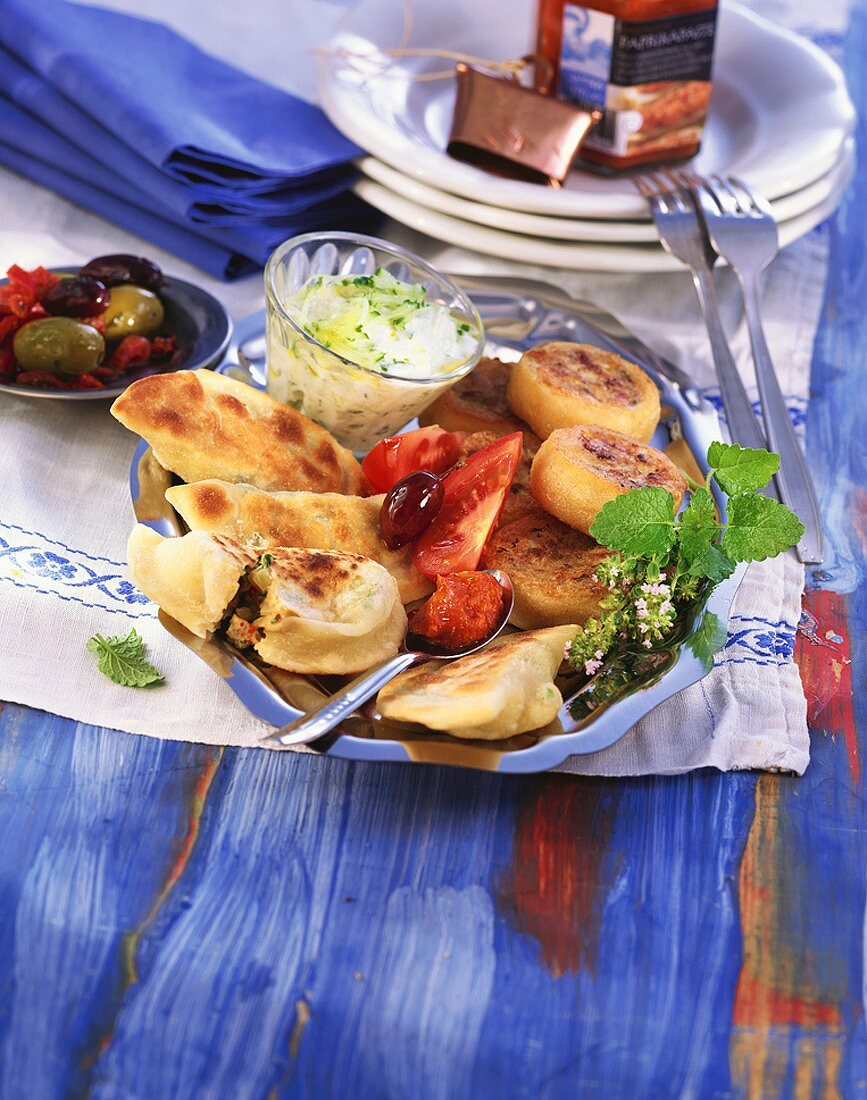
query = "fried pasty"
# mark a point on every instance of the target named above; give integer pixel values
(325, 611)
(193, 578)
(324, 521)
(201, 425)
(309, 611)
(505, 689)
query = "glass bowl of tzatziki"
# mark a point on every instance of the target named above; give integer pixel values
(362, 335)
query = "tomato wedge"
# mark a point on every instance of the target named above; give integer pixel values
(474, 497)
(397, 456)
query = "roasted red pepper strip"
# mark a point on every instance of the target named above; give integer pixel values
(41, 379)
(161, 346)
(132, 350)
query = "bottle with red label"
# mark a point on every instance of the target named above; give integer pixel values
(646, 64)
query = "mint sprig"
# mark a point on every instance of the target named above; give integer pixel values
(741, 469)
(663, 562)
(640, 521)
(122, 660)
(698, 529)
(759, 528)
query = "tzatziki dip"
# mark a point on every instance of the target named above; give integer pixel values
(371, 354)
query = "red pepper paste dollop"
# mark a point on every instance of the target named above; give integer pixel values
(463, 611)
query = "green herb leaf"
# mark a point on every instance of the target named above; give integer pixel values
(741, 469)
(708, 638)
(698, 526)
(640, 521)
(759, 528)
(666, 563)
(713, 564)
(122, 659)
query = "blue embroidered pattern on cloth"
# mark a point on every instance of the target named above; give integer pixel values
(29, 559)
(758, 641)
(797, 407)
(32, 560)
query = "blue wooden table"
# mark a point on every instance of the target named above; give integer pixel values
(180, 921)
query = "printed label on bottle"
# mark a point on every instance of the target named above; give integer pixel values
(651, 79)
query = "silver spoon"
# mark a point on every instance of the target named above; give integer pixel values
(415, 649)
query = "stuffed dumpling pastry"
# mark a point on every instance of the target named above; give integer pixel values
(324, 521)
(200, 424)
(193, 578)
(325, 611)
(314, 611)
(506, 689)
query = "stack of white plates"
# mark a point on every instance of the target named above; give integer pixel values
(780, 118)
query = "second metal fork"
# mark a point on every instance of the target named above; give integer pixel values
(743, 231)
(682, 235)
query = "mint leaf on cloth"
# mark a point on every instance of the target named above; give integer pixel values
(759, 528)
(640, 521)
(122, 660)
(741, 469)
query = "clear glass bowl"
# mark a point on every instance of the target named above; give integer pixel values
(359, 405)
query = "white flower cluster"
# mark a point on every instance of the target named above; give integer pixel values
(654, 610)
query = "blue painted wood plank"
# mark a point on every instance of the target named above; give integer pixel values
(91, 822)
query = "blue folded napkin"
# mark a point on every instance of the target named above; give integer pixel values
(42, 155)
(216, 259)
(201, 202)
(184, 111)
(125, 117)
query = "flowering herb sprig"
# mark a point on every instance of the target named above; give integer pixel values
(663, 562)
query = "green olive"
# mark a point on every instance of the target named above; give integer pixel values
(60, 345)
(132, 311)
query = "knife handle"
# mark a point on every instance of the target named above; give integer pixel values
(793, 478)
(744, 427)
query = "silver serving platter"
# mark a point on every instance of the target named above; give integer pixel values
(517, 314)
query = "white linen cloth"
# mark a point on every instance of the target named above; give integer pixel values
(65, 510)
(65, 514)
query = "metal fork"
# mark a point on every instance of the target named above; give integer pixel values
(742, 228)
(677, 222)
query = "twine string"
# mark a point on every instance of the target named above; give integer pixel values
(378, 64)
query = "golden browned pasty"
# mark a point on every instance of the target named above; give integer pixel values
(309, 611)
(505, 689)
(325, 611)
(201, 424)
(325, 521)
(193, 578)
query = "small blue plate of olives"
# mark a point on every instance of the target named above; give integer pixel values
(130, 296)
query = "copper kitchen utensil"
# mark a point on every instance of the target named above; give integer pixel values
(501, 125)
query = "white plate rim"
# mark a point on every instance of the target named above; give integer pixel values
(578, 229)
(583, 256)
(435, 168)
